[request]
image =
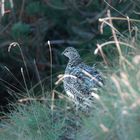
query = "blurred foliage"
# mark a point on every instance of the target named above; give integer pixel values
(118, 109)
(35, 121)
(20, 29)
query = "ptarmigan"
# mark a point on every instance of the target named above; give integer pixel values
(80, 80)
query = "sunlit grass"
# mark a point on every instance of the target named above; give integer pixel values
(118, 112)
(118, 108)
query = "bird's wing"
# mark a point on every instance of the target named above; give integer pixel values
(90, 76)
(83, 79)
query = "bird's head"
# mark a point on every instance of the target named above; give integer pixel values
(71, 53)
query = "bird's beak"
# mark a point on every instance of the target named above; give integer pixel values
(62, 53)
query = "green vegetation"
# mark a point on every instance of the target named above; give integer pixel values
(37, 107)
(117, 117)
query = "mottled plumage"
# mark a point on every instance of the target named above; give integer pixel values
(80, 80)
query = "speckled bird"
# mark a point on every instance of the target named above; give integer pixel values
(80, 80)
